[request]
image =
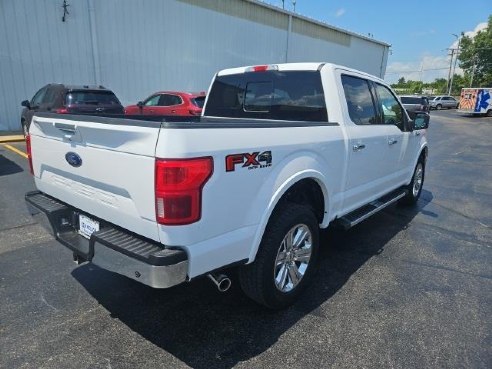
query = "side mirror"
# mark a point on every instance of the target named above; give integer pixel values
(140, 104)
(26, 104)
(421, 121)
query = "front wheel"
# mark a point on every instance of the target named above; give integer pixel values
(438, 106)
(414, 189)
(286, 259)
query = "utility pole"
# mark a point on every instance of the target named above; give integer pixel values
(455, 61)
(450, 67)
(294, 5)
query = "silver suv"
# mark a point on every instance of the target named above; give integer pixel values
(440, 102)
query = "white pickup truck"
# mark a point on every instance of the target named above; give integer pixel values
(280, 151)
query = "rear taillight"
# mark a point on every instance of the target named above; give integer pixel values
(29, 155)
(61, 111)
(178, 189)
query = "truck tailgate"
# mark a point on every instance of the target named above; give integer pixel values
(103, 166)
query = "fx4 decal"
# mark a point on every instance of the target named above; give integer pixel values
(251, 161)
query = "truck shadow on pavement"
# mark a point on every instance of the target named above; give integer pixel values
(7, 166)
(206, 329)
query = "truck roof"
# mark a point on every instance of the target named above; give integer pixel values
(311, 66)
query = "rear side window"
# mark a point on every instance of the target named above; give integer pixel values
(91, 98)
(291, 95)
(198, 101)
(169, 100)
(360, 102)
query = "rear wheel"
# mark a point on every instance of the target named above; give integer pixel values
(489, 113)
(414, 189)
(286, 259)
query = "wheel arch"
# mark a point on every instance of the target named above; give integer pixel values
(424, 153)
(304, 187)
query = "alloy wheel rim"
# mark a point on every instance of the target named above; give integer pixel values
(293, 258)
(417, 181)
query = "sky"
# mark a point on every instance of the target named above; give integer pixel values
(420, 32)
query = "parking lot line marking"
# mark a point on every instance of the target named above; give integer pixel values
(17, 151)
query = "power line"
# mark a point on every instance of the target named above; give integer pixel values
(416, 71)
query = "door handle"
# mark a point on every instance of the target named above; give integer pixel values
(417, 133)
(173, 111)
(358, 147)
(392, 141)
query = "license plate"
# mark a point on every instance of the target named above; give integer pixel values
(87, 226)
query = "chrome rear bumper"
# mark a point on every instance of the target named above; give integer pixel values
(111, 248)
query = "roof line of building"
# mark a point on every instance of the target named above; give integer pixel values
(320, 23)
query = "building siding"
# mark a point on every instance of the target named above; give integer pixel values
(136, 47)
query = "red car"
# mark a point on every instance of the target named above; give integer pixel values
(169, 103)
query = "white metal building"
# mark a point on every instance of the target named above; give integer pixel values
(136, 47)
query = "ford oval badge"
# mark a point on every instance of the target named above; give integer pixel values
(73, 159)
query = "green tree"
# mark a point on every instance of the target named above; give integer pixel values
(459, 82)
(440, 85)
(401, 81)
(476, 56)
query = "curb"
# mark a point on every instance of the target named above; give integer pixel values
(12, 138)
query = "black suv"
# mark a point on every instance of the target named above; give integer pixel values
(63, 99)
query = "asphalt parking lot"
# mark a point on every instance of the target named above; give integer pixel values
(408, 288)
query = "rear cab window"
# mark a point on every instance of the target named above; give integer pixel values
(91, 98)
(277, 95)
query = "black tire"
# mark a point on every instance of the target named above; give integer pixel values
(258, 279)
(489, 113)
(438, 106)
(413, 193)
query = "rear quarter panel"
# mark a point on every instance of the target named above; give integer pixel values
(237, 204)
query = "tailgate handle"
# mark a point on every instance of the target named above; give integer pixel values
(69, 128)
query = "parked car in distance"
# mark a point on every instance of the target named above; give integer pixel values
(169, 103)
(414, 104)
(441, 102)
(66, 99)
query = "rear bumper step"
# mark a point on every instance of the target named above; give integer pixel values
(111, 248)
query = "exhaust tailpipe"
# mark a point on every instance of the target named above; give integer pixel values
(222, 281)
